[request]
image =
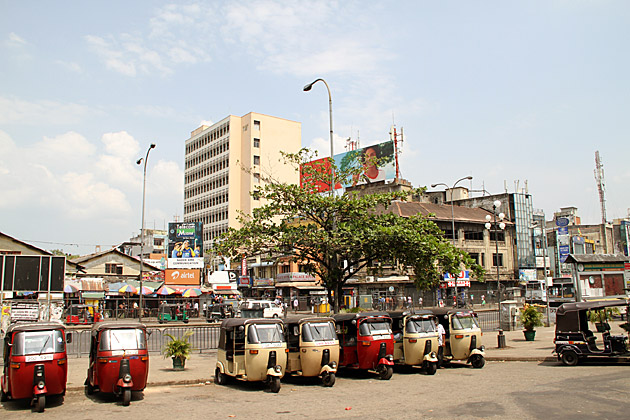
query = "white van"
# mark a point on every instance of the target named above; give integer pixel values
(260, 309)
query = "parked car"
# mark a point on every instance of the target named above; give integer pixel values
(260, 309)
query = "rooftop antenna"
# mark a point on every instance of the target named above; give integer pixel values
(601, 187)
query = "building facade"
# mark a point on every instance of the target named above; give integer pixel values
(227, 161)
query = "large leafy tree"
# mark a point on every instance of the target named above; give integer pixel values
(334, 236)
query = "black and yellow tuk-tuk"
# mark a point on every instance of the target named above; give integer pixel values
(219, 312)
(574, 339)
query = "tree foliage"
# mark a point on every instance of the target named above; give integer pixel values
(334, 236)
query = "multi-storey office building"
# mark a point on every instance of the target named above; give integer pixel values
(228, 160)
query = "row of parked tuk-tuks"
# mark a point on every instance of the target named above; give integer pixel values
(258, 349)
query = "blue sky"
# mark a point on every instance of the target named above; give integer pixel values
(505, 91)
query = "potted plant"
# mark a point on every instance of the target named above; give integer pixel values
(601, 317)
(178, 349)
(530, 318)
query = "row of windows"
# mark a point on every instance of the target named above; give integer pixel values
(212, 233)
(207, 138)
(474, 235)
(481, 260)
(208, 185)
(207, 154)
(208, 202)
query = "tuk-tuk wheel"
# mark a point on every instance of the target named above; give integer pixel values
(328, 379)
(569, 358)
(430, 368)
(89, 389)
(126, 397)
(220, 378)
(160, 321)
(274, 384)
(186, 321)
(40, 404)
(477, 361)
(385, 372)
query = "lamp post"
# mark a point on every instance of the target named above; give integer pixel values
(332, 172)
(144, 188)
(453, 216)
(496, 228)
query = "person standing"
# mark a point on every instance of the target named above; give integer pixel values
(295, 304)
(441, 342)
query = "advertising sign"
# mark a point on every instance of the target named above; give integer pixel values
(564, 252)
(189, 263)
(297, 276)
(463, 275)
(377, 162)
(244, 281)
(32, 273)
(190, 277)
(185, 240)
(527, 275)
(562, 221)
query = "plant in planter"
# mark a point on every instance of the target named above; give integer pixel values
(530, 318)
(178, 349)
(601, 317)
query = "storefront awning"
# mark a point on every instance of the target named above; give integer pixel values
(92, 295)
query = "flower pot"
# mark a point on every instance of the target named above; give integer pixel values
(529, 335)
(178, 364)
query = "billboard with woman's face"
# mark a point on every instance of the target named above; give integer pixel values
(377, 162)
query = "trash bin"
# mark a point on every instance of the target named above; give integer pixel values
(501, 339)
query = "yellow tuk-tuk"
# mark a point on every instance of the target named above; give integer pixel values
(251, 350)
(463, 336)
(415, 339)
(313, 347)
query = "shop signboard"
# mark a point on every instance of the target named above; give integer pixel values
(181, 276)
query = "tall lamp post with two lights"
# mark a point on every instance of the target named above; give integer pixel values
(453, 217)
(332, 172)
(144, 187)
(497, 227)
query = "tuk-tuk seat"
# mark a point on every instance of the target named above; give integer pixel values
(590, 340)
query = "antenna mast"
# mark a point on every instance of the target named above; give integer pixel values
(601, 187)
(398, 141)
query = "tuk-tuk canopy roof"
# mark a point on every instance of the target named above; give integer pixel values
(358, 315)
(35, 326)
(449, 311)
(590, 305)
(114, 325)
(402, 314)
(231, 323)
(298, 319)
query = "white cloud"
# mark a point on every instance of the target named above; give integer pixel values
(43, 112)
(15, 40)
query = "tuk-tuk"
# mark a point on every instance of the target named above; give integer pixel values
(313, 347)
(366, 342)
(35, 362)
(219, 311)
(463, 336)
(81, 315)
(172, 312)
(575, 341)
(415, 339)
(251, 350)
(119, 359)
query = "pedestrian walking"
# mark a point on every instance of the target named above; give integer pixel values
(441, 343)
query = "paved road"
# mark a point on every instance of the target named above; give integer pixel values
(524, 390)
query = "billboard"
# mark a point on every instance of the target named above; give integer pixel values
(32, 273)
(382, 170)
(185, 245)
(182, 277)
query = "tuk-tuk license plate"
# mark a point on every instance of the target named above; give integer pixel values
(39, 358)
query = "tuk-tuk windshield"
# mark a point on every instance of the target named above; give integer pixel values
(464, 321)
(375, 327)
(123, 339)
(37, 342)
(318, 331)
(265, 333)
(420, 325)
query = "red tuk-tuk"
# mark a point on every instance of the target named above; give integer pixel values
(35, 362)
(119, 359)
(81, 315)
(366, 342)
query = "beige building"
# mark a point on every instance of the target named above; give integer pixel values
(230, 159)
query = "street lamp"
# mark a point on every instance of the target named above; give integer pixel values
(332, 172)
(497, 227)
(453, 216)
(144, 187)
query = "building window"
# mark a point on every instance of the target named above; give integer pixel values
(284, 268)
(500, 260)
(256, 178)
(256, 125)
(113, 268)
(256, 142)
(256, 160)
(499, 235)
(473, 235)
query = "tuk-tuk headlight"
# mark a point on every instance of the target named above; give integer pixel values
(333, 365)
(433, 354)
(40, 385)
(127, 377)
(482, 348)
(390, 357)
(278, 368)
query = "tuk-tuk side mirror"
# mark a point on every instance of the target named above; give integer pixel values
(69, 337)
(241, 328)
